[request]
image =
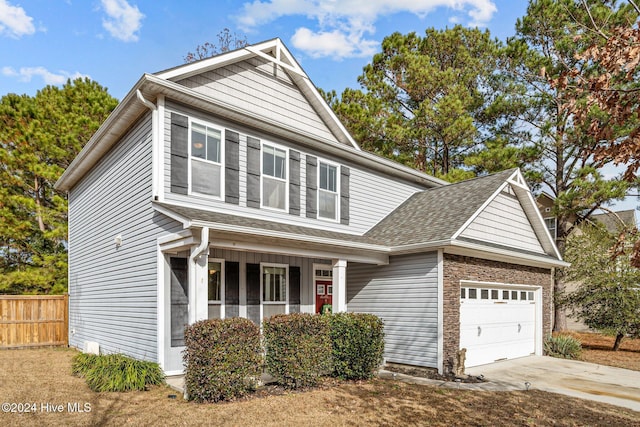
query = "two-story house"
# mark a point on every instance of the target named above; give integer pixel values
(228, 187)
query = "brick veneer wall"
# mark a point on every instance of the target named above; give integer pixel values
(457, 268)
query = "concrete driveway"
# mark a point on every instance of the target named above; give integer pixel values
(578, 379)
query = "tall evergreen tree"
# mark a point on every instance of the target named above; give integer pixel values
(548, 41)
(39, 137)
(438, 103)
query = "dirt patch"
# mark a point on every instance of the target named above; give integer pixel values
(43, 377)
(433, 374)
(597, 348)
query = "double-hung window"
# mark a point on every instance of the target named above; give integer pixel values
(274, 283)
(206, 160)
(328, 191)
(274, 177)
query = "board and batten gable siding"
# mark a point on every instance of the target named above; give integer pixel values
(404, 294)
(372, 195)
(113, 290)
(505, 223)
(259, 86)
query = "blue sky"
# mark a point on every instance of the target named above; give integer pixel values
(115, 41)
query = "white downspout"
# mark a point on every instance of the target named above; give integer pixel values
(156, 164)
(150, 105)
(193, 273)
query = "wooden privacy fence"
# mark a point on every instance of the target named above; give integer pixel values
(33, 320)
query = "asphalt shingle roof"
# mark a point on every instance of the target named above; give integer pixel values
(427, 216)
(612, 223)
(436, 214)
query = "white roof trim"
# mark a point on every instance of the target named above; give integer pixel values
(284, 59)
(188, 223)
(478, 250)
(523, 193)
(479, 211)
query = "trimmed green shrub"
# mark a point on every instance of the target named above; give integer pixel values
(298, 348)
(223, 359)
(562, 346)
(116, 372)
(358, 343)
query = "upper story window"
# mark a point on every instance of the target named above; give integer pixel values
(206, 160)
(551, 226)
(274, 177)
(328, 191)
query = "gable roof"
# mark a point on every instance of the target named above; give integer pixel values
(611, 220)
(436, 214)
(440, 215)
(144, 96)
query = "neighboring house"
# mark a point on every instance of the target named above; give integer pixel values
(612, 221)
(227, 187)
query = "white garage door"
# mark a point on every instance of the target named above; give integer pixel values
(497, 323)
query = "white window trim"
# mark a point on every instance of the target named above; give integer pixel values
(286, 288)
(337, 193)
(222, 284)
(221, 164)
(286, 181)
(555, 226)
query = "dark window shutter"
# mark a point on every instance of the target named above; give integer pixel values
(294, 285)
(294, 182)
(232, 283)
(253, 172)
(344, 195)
(253, 284)
(232, 167)
(179, 153)
(312, 187)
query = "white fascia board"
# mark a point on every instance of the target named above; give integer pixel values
(258, 232)
(537, 222)
(103, 139)
(188, 70)
(351, 256)
(476, 250)
(419, 247)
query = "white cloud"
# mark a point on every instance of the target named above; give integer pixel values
(14, 21)
(335, 43)
(345, 27)
(25, 74)
(123, 20)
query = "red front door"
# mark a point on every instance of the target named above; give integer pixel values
(324, 290)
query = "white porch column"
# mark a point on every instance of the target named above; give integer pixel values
(198, 263)
(339, 298)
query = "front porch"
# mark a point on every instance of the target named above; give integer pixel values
(205, 278)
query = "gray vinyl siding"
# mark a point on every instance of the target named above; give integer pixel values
(404, 294)
(372, 196)
(258, 86)
(504, 222)
(307, 296)
(113, 291)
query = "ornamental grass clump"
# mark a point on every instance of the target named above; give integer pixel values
(562, 346)
(223, 359)
(357, 345)
(298, 349)
(116, 372)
